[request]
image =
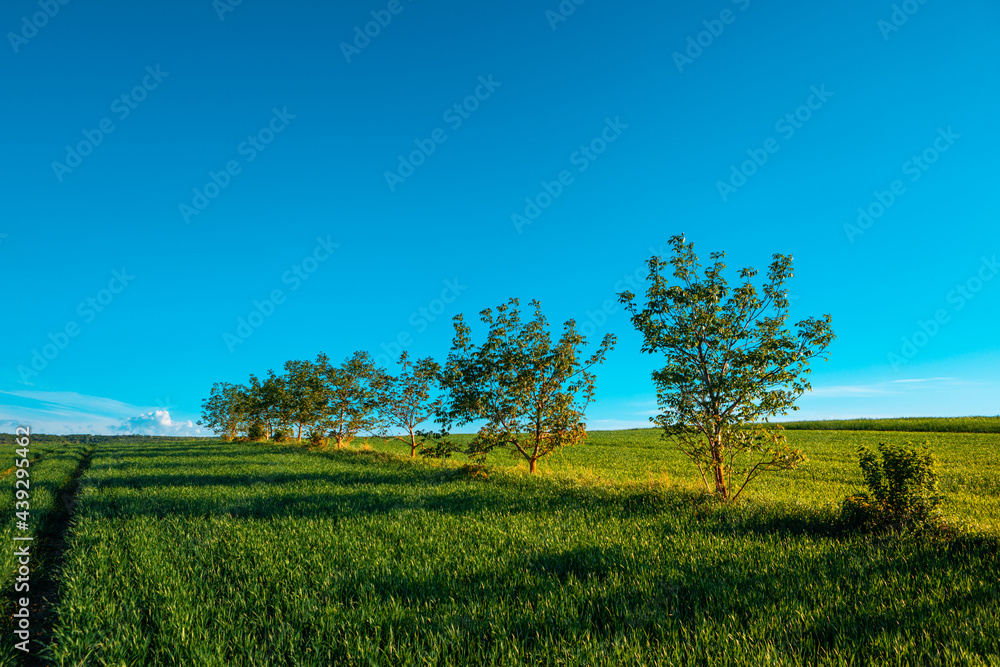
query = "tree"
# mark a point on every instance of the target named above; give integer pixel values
(305, 394)
(223, 410)
(351, 391)
(259, 409)
(276, 403)
(405, 400)
(531, 394)
(730, 364)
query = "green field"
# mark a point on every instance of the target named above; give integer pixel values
(211, 553)
(911, 424)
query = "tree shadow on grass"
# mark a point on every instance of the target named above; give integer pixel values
(814, 604)
(379, 482)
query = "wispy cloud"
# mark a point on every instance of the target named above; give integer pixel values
(73, 400)
(849, 390)
(62, 412)
(926, 380)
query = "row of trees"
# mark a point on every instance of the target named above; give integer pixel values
(730, 366)
(530, 393)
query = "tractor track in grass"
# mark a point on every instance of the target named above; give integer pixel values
(49, 553)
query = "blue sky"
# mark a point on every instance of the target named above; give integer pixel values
(169, 167)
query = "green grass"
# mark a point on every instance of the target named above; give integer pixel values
(912, 424)
(969, 466)
(52, 464)
(233, 554)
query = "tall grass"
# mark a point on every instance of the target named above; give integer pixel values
(52, 465)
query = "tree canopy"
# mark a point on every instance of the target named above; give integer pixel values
(531, 393)
(730, 362)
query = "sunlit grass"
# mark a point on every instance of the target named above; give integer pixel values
(256, 554)
(912, 424)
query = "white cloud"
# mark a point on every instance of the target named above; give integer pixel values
(157, 422)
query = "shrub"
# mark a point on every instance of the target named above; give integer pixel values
(255, 432)
(280, 436)
(902, 489)
(316, 439)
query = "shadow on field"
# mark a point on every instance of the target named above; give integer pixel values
(827, 601)
(270, 481)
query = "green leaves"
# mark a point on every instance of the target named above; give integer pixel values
(351, 391)
(531, 393)
(730, 363)
(902, 487)
(405, 401)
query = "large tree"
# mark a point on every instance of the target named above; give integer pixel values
(731, 364)
(406, 401)
(531, 393)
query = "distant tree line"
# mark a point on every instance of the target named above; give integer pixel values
(531, 393)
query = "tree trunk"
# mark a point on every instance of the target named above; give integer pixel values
(531, 464)
(717, 470)
(413, 445)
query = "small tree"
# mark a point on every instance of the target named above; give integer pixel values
(223, 410)
(405, 400)
(351, 391)
(532, 394)
(730, 364)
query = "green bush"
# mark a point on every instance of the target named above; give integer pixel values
(316, 439)
(902, 489)
(279, 436)
(255, 432)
